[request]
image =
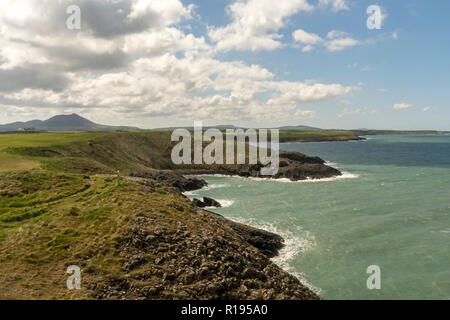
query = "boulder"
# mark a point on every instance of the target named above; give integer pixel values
(209, 202)
(198, 203)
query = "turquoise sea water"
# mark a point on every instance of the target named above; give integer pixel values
(390, 209)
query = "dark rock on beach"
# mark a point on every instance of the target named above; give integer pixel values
(198, 203)
(209, 202)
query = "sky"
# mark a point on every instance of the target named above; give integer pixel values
(254, 63)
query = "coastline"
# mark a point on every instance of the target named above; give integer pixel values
(284, 245)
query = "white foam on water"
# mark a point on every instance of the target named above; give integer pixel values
(208, 187)
(215, 186)
(345, 175)
(225, 203)
(191, 193)
(294, 244)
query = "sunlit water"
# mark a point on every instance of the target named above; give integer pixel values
(391, 209)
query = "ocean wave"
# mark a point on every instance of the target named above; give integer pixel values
(225, 203)
(345, 175)
(215, 186)
(208, 187)
(190, 193)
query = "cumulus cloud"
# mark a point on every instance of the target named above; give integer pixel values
(133, 59)
(339, 40)
(334, 41)
(32, 76)
(255, 24)
(402, 106)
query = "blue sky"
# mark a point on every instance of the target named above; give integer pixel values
(255, 63)
(412, 69)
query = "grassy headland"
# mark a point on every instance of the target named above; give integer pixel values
(60, 205)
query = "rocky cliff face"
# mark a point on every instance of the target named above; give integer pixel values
(223, 261)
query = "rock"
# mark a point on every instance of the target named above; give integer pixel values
(209, 202)
(267, 242)
(173, 179)
(198, 203)
(198, 256)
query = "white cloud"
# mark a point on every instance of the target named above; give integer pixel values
(137, 68)
(341, 44)
(305, 37)
(335, 40)
(336, 5)
(401, 106)
(255, 24)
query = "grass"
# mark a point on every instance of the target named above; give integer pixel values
(49, 221)
(11, 162)
(313, 136)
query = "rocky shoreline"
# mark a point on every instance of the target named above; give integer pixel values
(215, 263)
(221, 260)
(323, 139)
(293, 166)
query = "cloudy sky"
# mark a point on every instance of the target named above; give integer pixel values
(155, 63)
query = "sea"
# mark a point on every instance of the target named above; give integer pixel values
(390, 209)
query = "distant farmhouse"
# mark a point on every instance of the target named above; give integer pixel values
(30, 130)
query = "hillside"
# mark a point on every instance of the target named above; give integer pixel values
(142, 152)
(72, 122)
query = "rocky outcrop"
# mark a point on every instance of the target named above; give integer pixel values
(209, 202)
(173, 179)
(214, 263)
(267, 242)
(198, 203)
(293, 166)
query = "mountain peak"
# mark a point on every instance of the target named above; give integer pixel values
(63, 122)
(72, 120)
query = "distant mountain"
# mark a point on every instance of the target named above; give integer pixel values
(72, 122)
